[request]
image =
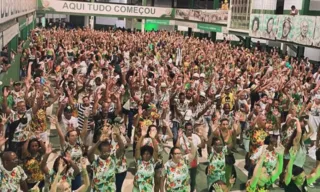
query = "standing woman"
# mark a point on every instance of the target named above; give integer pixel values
(32, 153)
(160, 139)
(104, 165)
(145, 156)
(71, 143)
(216, 169)
(176, 169)
(261, 179)
(225, 134)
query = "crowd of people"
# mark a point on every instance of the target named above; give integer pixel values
(114, 90)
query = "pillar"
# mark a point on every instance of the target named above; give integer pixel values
(143, 21)
(247, 42)
(191, 4)
(86, 21)
(189, 31)
(213, 36)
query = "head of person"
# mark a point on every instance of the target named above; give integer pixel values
(293, 7)
(261, 121)
(223, 186)
(21, 107)
(63, 186)
(182, 97)
(304, 27)
(146, 152)
(264, 98)
(286, 27)
(317, 99)
(17, 86)
(270, 25)
(189, 129)
(202, 98)
(9, 160)
(276, 103)
(189, 93)
(217, 145)
(151, 129)
(147, 97)
(67, 112)
(271, 140)
(60, 159)
(298, 175)
(33, 146)
(255, 24)
(86, 101)
(72, 136)
(226, 108)
(105, 148)
(175, 154)
(98, 81)
(224, 123)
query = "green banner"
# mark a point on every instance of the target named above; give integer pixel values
(158, 21)
(209, 27)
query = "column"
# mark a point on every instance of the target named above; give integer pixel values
(213, 36)
(191, 4)
(143, 21)
(248, 42)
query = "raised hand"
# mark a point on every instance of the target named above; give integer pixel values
(62, 166)
(217, 188)
(292, 152)
(53, 120)
(280, 149)
(6, 92)
(4, 119)
(83, 162)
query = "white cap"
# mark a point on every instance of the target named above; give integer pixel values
(203, 75)
(202, 94)
(196, 75)
(317, 96)
(163, 85)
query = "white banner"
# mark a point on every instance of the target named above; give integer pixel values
(10, 9)
(104, 9)
(10, 33)
(207, 16)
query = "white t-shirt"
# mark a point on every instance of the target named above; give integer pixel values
(65, 122)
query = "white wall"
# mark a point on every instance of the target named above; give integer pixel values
(110, 21)
(312, 53)
(264, 4)
(229, 37)
(289, 3)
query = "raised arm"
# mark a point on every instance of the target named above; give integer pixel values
(137, 153)
(55, 122)
(288, 175)
(257, 170)
(85, 176)
(275, 174)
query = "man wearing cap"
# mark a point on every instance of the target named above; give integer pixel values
(17, 92)
(163, 97)
(65, 118)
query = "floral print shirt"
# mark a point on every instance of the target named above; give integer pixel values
(32, 169)
(75, 152)
(22, 132)
(270, 162)
(10, 180)
(143, 179)
(257, 137)
(178, 177)
(216, 167)
(122, 161)
(104, 171)
(256, 189)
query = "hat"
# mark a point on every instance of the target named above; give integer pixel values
(196, 75)
(118, 120)
(317, 96)
(202, 75)
(163, 85)
(16, 83)
(68, 109)
(202, 94)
